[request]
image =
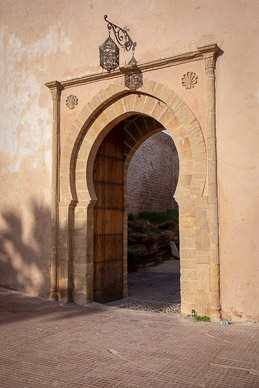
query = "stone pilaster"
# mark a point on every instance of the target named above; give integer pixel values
(55, 88)
(209, 54)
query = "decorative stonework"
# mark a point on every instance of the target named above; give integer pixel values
(200, 281)
(71, 101)
(209, 54)
(55, 89)
(189, 80)
(210, 62)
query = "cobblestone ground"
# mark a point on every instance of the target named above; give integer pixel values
(47, 344)
(155, 289)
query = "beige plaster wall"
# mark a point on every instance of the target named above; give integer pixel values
(44, 41)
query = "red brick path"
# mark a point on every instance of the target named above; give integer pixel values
(46, 344)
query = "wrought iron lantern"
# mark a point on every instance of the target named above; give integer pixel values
(109, 55)
(133, 77)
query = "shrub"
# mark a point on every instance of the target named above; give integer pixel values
(159, 218)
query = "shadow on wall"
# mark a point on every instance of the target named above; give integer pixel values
(25, 250)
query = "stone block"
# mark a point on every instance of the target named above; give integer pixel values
(166, 117)
(110, 113)
(79, 268)
(139, 103)
(63, 274)
(198, 149)
(195, 134)
(184, 180)
(95, 102)
(80, 175)
(187, 253)
(85, 114)
(80, 298)
(80, 283)
(187, 308)
(149, 86)
(214, 278)
(187, 222)
(202, 257)
(214, 300)
(176, 103)
(183, 144)
(63, 294)
(129, 102)
(80, 184)
(79, 238)
(81, 165)
(78, 123)
(203, 310)
(186, 155)
(186, 167)
(202, 240)
(188, 274)
(63, 240)
(188, 286)
(149, 105)
(174, 126)
(203, 276)
(200, 176)
(166, 94)
(199, 157)
(203, 298)
(201, 218)
(183, 111)
(187, 232)
(200, 167)
(119, 107)
(188, 263)
(188, 242)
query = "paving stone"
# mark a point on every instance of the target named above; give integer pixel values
(47, 344)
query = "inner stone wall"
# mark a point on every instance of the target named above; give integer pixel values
(153, 175)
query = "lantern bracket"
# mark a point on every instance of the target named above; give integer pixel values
(121, 35)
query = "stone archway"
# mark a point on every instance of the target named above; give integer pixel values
(199, 285)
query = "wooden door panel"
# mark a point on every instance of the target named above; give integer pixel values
(108, 195)
(108, 218)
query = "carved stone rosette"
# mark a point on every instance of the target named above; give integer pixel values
(71, 101)
(189, 80)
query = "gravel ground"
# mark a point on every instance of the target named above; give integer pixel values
(155, 289)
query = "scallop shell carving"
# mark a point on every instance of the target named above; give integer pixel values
(189, 80)
(71, 101)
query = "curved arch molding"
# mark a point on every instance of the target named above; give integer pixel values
(72, 258)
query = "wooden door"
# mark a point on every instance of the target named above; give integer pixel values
(108, 218)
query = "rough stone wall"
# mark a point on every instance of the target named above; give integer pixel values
(152, 175)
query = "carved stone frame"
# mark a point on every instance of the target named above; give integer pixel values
(73, 196)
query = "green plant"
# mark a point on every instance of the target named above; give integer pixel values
(200, 318)
(160, 217)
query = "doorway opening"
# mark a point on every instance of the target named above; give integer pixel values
(142, 186)
(155, 108)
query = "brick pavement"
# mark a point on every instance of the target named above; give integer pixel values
(47, 344)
